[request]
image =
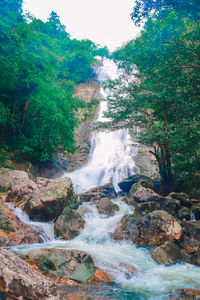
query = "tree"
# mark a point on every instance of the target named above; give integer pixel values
(40, 65)
(159, 94)
(145, 8)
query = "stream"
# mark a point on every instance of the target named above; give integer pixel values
(112, 159)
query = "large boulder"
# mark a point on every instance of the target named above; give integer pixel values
(97, 193)
(153, 229)
(166, 253)
(69, 224)
(139, 193)
(49, 200)
(13, 231)
(19, 181)
(43, 199)
(69, 264)
(107, 207)
(19, 281)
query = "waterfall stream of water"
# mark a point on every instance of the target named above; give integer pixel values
(111, 159)
(111, 155)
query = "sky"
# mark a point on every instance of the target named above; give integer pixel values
(105, 22)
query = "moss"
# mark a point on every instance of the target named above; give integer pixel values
(5, 224)
(46, 265)
(73, 234)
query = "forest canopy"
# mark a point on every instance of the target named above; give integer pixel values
(40, 65)
(157, 95)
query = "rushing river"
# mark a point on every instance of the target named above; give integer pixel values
(111, 160)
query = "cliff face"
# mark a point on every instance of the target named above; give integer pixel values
(88, 91)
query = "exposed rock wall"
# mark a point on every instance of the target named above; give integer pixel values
(87, 91)
(146, 162)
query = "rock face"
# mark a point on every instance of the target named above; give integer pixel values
(166, 253)
(153, 229)
(13, 231)
(99, 192)
(107, 207)
(19, 281)
(87, 91)
(69, 264)
(69, 224)
(48, 201)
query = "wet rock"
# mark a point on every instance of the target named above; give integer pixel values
(69, 264)
(184, 213)
(49, 200)
(166, 253)
(69, 224)
(129, 270)
(187, 294)
(190, 245)
(107, 207)
(13, 231)
(19, 281)
(152, 229)
(99, 192)
(101, 276)
(184, 198)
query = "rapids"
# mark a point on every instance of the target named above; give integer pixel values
(111, 160)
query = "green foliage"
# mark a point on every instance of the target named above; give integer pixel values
(159, 93)
(40, 64)
(144, 9)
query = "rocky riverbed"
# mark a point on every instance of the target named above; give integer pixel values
(169, 226)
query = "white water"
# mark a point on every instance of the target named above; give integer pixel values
(111, 160)
(111, 155)
(154, 280)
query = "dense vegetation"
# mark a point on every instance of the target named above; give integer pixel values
(157, 96)
(40, 64)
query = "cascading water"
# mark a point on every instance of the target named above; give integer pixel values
(111, 155)
(151, 281)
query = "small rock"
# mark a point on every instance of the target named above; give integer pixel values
(107, 207)
(166, 253)
(129, 270)
(69, 224)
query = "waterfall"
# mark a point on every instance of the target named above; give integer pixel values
(111, 155)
